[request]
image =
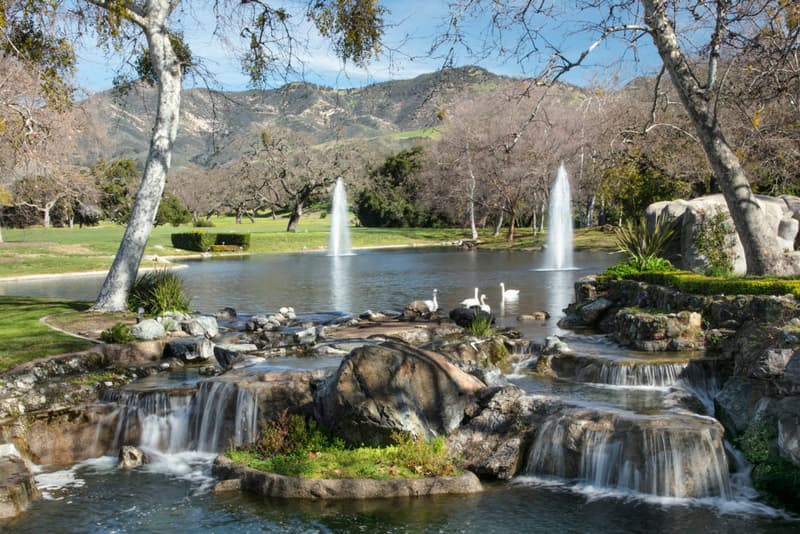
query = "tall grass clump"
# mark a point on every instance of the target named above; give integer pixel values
(481, 326)
(157, 292)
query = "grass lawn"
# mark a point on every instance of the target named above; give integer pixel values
(40, 250)
(24, 338)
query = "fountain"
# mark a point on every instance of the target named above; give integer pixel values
(558, 254)
(339, 240)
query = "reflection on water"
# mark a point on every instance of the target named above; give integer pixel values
(377, 280)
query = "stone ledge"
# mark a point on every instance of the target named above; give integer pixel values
(272, 485)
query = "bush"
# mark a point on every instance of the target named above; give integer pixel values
(203, 241)
(481, 326)
(707, 285)
(640, 243)
(203, 223)
(715, 239)
(157, 292)
(630, 268)
(119, 333)
(198, 241)
(172, 211)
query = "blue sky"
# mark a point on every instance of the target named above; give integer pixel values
(412, 27)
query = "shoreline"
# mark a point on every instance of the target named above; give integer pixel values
(173, 262)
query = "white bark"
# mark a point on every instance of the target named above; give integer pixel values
(762, 252)
(473, 185)
(114, 292)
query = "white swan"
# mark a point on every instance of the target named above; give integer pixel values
(471, 303)
(433, 305)
(485, 307)
(508, 294)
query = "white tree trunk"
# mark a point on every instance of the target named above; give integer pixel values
(114, 292)
(473, 185)
(762, 252)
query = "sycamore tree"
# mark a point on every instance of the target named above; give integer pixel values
(148, 31)
(695, 42)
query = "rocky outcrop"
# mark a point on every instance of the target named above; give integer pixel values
(131, 457)
(272, 485)
(189, 349)
(148, 329)
(392, 387)
(653, 332)
(780, 213)
(17, 488)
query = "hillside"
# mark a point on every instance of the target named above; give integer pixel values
(217, 126)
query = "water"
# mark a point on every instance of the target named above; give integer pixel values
(377, 280)
(559, 224)
(339, 240)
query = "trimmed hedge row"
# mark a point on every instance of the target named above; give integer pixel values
(708, 285)
(203, 241)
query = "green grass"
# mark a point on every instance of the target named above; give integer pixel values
(24, 338)
(40, 250)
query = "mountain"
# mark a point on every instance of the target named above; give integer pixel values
(216, 127)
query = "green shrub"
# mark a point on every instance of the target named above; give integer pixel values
(203, 241)
(203, 223)
(172, 211)
(630, 268)
(715, 239)
(640, 243)
(197, 241)
(707, 285)
(158, 291)
(770, 473)
(119, 333)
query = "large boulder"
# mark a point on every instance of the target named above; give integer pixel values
(189, 349)
(781, 215)
(17, 488)
(381, 389)
(201, 326)
(148, 329)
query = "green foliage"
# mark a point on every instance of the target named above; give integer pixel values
(172, 211)
(707, 285)
(119, 333)
(481, 326)
(203, 223)
(393, 200)
(635, 183)
(117, 181)
(642, 244)
(626, 269)
(204, 241)
(293, 445)
(144, 65)
(715, 238)
(354, 26)
(158, 291)
(198, 241)
(771, 473)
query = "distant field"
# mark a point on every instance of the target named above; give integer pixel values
(61, 250)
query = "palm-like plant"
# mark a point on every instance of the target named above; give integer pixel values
(642, 244)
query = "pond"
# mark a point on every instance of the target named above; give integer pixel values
(174, 493)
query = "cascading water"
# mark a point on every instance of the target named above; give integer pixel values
(213, 417)
(682, 458)
(657, 375)
(339, 239)
(558, 254)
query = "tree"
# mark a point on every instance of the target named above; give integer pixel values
(116, 181)
(674, 27)
(355, 27)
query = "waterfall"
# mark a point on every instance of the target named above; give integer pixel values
(657, 375)
(339, 239)
(217, 415)
(558, 254)
(683, 458)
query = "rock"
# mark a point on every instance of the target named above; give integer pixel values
(370, 315)
(535, 316)
(131, 457)
(658, 331)
(737, 405)
(554, 345)
(148, 329)
(690, 214)
(201, 326)
(306, 336)
(272, 485)
(593, 311)
(225, 314)
(189, 349)
(229, 354)
(464, 317)
(492, 440)
(392, 387)
(17, 487)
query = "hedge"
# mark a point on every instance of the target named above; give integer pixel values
(203, 242)
(709, 285)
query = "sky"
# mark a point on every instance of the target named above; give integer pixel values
(412, 27)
